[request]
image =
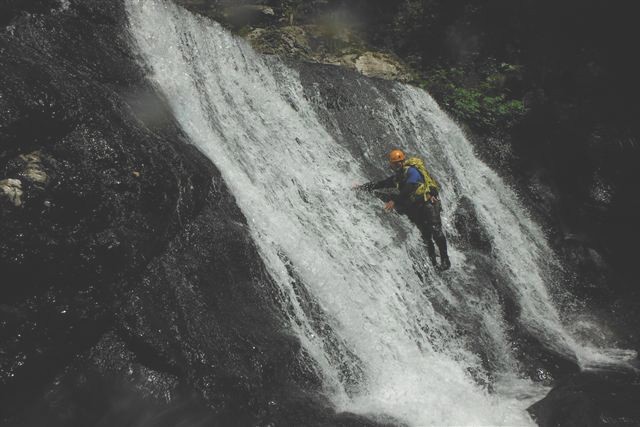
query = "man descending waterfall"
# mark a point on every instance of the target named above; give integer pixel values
(418, 198)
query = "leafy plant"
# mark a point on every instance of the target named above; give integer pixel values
(483, 102)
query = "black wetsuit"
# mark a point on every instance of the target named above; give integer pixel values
(424, 214)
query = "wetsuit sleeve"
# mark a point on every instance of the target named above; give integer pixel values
(385, 183)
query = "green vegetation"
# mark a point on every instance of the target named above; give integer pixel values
(482, 101)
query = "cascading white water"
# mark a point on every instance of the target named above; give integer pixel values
(519, 244)
(399, 354)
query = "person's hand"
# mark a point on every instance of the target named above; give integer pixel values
(389, 206)
(362, 187)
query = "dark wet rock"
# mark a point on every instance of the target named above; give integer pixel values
(10, 9)
(132, 293)
(290, 41)
(351, 121)
(539, 363)
(472, 234)
(108, 386)
(249, 14)
(591, 399)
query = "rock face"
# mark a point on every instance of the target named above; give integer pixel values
(471, 232)
(319, 44)
(291, 41)
(11, 191)
(250, 14)
(591, 399)
(375, 64)
(131, 291)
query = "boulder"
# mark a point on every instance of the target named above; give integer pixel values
(381, 65)
(472, 233)
(11, 191)
(591, 399)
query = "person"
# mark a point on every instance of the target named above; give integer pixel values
(419, 198)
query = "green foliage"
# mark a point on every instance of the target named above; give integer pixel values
(483, 102)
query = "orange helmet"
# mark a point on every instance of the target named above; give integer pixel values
(396, 156)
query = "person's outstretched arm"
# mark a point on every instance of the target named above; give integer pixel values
(375, 185)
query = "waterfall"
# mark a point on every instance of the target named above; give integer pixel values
(355, 283)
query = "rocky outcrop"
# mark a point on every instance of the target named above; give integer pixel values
(131, 291)
(471, 232)
(315, 43)
(33, 170)
(381, 65)
(11, 191)
(591, 399)
(291, 41)
(27, 168)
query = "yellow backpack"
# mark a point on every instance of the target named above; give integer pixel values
(428, 180)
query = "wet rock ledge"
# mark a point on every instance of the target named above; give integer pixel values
(590, 399)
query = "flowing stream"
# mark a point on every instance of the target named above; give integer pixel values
(388, 335)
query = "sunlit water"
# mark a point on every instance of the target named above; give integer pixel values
(381, 345)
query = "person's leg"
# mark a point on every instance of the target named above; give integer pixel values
(433, 210)
(441, 241)
(418, 216)
(427, 236)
